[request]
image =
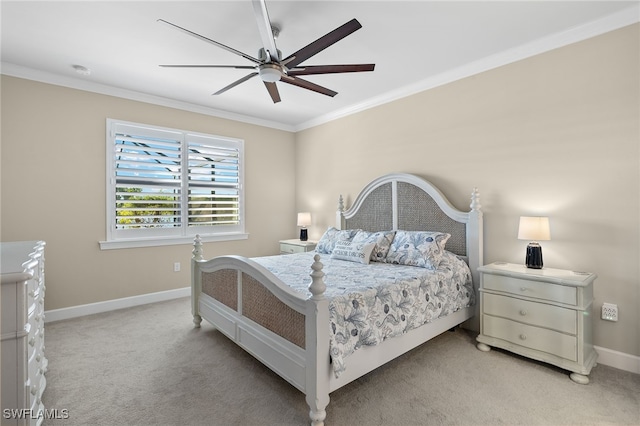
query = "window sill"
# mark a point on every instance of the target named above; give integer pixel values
(168, 241)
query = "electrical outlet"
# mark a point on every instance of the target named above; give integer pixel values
(609, 312)
(176, 267)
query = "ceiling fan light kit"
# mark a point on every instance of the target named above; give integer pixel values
(270, 73)
(271, 67)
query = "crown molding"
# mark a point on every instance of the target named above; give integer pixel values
(75, 83)
(623, 18)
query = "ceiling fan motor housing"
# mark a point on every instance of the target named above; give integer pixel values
(262, 55)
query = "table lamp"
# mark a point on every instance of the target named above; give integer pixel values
(534, 229)
(304, 220)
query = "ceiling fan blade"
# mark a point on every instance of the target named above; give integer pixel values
(238, 67)
(322, 43)
(296, 81)
(235, 83)
(208, 40)
(330, 69)
(264, 26)
(273, 91)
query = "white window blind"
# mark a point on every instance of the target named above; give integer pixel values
(171, 183)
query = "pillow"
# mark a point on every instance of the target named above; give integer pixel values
(353, 252)
(333, 235)
(382, 240)
(417, 248)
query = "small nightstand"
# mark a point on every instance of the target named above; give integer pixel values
(543, 314)
(296, 246)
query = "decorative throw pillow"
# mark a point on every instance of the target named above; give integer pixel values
(417, 248)
(382, 239)
(333, 235)
(353, 252)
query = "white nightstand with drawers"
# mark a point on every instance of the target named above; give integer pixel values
(296, 246)
(543, 314)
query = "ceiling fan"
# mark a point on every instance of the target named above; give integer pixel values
(271, 67)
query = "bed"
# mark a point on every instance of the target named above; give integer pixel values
(304, 335)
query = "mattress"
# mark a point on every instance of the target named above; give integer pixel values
(374, 302)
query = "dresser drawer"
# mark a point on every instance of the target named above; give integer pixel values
(535, 289)
(533, 313)
(540, 339)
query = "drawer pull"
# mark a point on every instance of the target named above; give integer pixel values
(32, 341)
(523, 312)
(523, 337)
(34, 390)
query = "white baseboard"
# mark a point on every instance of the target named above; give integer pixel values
(606, 356)
(112, 305)
(619, 360)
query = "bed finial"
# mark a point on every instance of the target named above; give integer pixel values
(197, 252)
(317, 286)
(340, 204)
(475, 200)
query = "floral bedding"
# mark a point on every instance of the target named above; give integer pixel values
(374, 302)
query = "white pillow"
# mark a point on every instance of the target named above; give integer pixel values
(382, 240)
(353, 252)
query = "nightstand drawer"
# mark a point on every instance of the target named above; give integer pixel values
(533, 313)
(296, 246)
(535, 289)
(540, 339)
(290, 248)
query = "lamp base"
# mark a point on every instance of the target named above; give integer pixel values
(533, 258)
(303, 234)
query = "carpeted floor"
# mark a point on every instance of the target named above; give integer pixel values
(149, 366)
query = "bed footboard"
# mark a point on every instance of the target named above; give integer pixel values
(264, 316)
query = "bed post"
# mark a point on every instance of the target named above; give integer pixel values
(340, 214)
(196, 280)
(474, 241)
(317, 346)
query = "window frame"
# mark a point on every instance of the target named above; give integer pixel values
(184, 234)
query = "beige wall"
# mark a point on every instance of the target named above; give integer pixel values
(556, 135)
(53, 188)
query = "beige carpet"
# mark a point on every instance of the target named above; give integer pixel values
(149, 366)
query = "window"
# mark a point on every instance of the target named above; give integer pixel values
(165, 185)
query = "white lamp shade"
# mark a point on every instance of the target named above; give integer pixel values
(304, 219)
(534, 228)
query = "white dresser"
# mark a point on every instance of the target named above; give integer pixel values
(23, 361)
(543, 314)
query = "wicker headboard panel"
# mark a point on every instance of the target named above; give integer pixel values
(407, 202)
(418, 211)
(376, 212)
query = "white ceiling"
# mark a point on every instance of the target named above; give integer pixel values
(414, 44)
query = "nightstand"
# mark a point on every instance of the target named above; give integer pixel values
(296, 246)
(543, 314)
